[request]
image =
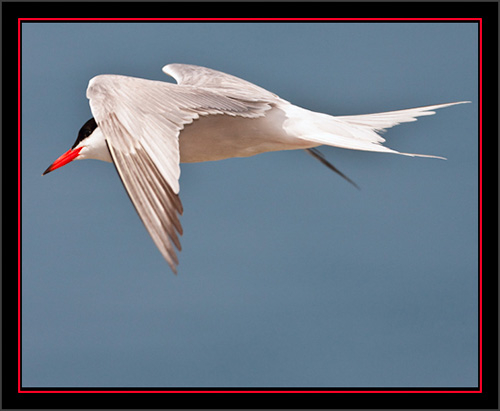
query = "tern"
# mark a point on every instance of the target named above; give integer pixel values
(147, 128)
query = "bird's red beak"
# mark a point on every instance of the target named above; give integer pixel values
(66, 158)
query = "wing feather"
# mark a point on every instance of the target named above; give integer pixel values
(156, 203)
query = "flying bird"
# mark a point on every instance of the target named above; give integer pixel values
(147, 128)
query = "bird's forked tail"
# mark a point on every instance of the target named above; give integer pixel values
(359, 132)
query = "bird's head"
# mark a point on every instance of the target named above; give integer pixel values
(90, 143)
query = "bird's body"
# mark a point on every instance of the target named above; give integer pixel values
(147, 128)
(221, 136)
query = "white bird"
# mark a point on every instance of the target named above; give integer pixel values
(147, 128)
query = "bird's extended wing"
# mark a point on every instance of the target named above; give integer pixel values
(231, 86)
(141, 121)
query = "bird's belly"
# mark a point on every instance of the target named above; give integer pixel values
(217, 137)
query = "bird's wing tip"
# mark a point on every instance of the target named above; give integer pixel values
(167, 69)
(174, 70)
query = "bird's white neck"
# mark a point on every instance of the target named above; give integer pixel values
(94, 147)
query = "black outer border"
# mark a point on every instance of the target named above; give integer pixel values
(488, 11)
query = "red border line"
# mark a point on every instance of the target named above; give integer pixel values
(19, 205)
(480, 205)
(241, 391)
(263, 19)
(222, 391)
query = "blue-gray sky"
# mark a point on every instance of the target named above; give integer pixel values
(288, 276)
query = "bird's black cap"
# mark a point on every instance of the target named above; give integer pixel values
(85, 131)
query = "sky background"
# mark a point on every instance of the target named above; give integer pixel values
(289, 276)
